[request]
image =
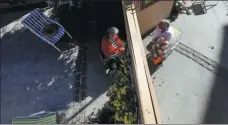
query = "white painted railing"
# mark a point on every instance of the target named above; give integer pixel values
(149, 111)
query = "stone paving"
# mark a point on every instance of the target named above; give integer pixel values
(80, 83)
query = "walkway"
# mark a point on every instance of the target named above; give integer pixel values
(36, 77)
(189, 93)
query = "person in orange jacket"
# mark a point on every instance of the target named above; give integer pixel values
(112, 47)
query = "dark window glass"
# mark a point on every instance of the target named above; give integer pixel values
(146, 3)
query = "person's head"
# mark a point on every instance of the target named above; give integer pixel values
(112, 32)
(164, 25)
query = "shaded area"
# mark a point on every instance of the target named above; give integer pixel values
(34, 76)
(201, 7)
(110, 14)
(101, 16)
(152, 68)
(106, 16)
(88, 24)
(23, 7)
(105, 12)
(217, 109)
(122, 99)
(103, 116)
(73, 21)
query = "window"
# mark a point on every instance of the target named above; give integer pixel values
(145, 3)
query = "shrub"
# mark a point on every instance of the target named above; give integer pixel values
(122, 104)
(61, 3)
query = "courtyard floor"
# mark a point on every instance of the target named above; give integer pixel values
(189, 93)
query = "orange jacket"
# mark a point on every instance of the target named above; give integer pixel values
(108, 49)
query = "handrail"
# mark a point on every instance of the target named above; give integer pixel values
(143, 84)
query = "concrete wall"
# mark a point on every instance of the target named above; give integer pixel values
(149, 17)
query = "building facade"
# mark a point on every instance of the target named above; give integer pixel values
(151, 12)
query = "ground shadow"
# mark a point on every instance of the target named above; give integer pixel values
(152, 68)
(200, 7)
(104, 15)
(108, 15)
(34, 76)
(41, 81)
(89, 25)
(105, 12)
(84, 31)
(217, 109)
(24, 7)
(196, 8)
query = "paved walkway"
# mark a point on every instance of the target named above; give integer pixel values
(36, 77)
(187, 92)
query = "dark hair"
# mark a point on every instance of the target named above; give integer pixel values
(166, 23)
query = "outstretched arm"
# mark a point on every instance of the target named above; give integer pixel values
(121, 47)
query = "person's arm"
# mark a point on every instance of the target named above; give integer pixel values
(156, 33)
(104, 48)
(120, 44)
(168, 37)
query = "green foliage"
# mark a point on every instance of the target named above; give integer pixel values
(104, 116)
(121, 104)
(61, 3)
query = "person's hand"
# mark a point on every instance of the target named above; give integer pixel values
(164, 47)
(122, 49)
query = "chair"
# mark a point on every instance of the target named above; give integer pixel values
(199, 7)
(36, 22)
(38, 118)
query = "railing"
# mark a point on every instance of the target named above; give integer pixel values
(148, 106)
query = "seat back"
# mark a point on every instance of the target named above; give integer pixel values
(36, 21)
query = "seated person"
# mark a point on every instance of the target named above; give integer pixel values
(164, 29)
(112, 47)
(165, 34)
